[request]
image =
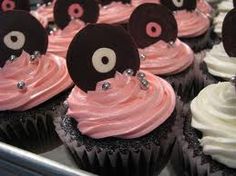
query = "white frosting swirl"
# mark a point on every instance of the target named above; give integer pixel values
(219, 63)
(225, 5)
(218, 22)
(214, 114)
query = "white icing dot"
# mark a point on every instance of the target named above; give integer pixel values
(14, 40)
(104, 60)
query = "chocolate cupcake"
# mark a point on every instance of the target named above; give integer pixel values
(117, 120)
(33, 83)
(206, 144)
(160, 51)
(70, 17)
(194, 27)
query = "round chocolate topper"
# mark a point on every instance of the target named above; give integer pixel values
(234, 2)
(7, 5)
(180, 4)
(85, 10)
(150, 23)
(20, 31)
(97, 52)
(106, 2)
(228, 33)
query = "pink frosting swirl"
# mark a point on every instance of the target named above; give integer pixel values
(124, 111)
(115, 13)
(191, 24)
(136, 3)
(43, 20)
(41, 81)
(204, 7)
(163, 59)
(47, 11)
(60, 40)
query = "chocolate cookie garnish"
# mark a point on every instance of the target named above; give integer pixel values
(7, 5)
(228, 33)
(85, 10)
(97, 52)
(150, 23)
(106, 2)
(21, 31)
(180, 4)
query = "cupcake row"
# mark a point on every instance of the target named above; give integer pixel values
(123, 116)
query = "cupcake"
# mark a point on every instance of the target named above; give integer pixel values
(206, 146)
(160, 51)
(219, 63)
(115, 12)
(33, 83)
(224, 7)
(70, 17)
(117, 120)
(193, 26)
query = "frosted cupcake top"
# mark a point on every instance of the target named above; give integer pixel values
(191, 22)
(214, 114)
(161, 52)
(112, 98)
(27, 74)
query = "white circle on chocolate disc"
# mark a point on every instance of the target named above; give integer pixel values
(178, 3)
(17, 43)
(99, 55)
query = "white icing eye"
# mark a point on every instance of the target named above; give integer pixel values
(14, 40)
(178, 3)
(104, 60)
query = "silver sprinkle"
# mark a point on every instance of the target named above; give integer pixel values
(21, 85)
(129, 72)
(35, 56)
(144, 84)
(233, 81)
(142, 57)
(12, 58)
(106, 86)
(38, 5)
(141, 75)
(171, 44)
(49, 3)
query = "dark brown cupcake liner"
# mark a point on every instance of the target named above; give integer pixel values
(112, 156)
(33, 129)
(183, 83)
(205, 41)
(187, 156)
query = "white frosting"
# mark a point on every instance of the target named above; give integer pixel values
(214, 114)
(219, 63)
(225, 6)
(218, 22)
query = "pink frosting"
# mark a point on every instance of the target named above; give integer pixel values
(43, 20)
(47, 11)
(163, 59)
(136, 3)
(114, 13)
(124, 111)
(41, 81)
(60, 40)
(191, 24)
(204, 7)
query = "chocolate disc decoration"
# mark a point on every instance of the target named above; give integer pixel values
(150, 23)
(234, 2)
(85, 10)
(180, 4)
(228, 33)
(106, 2)
(21, 31)
(7, 5)
(97, 52)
